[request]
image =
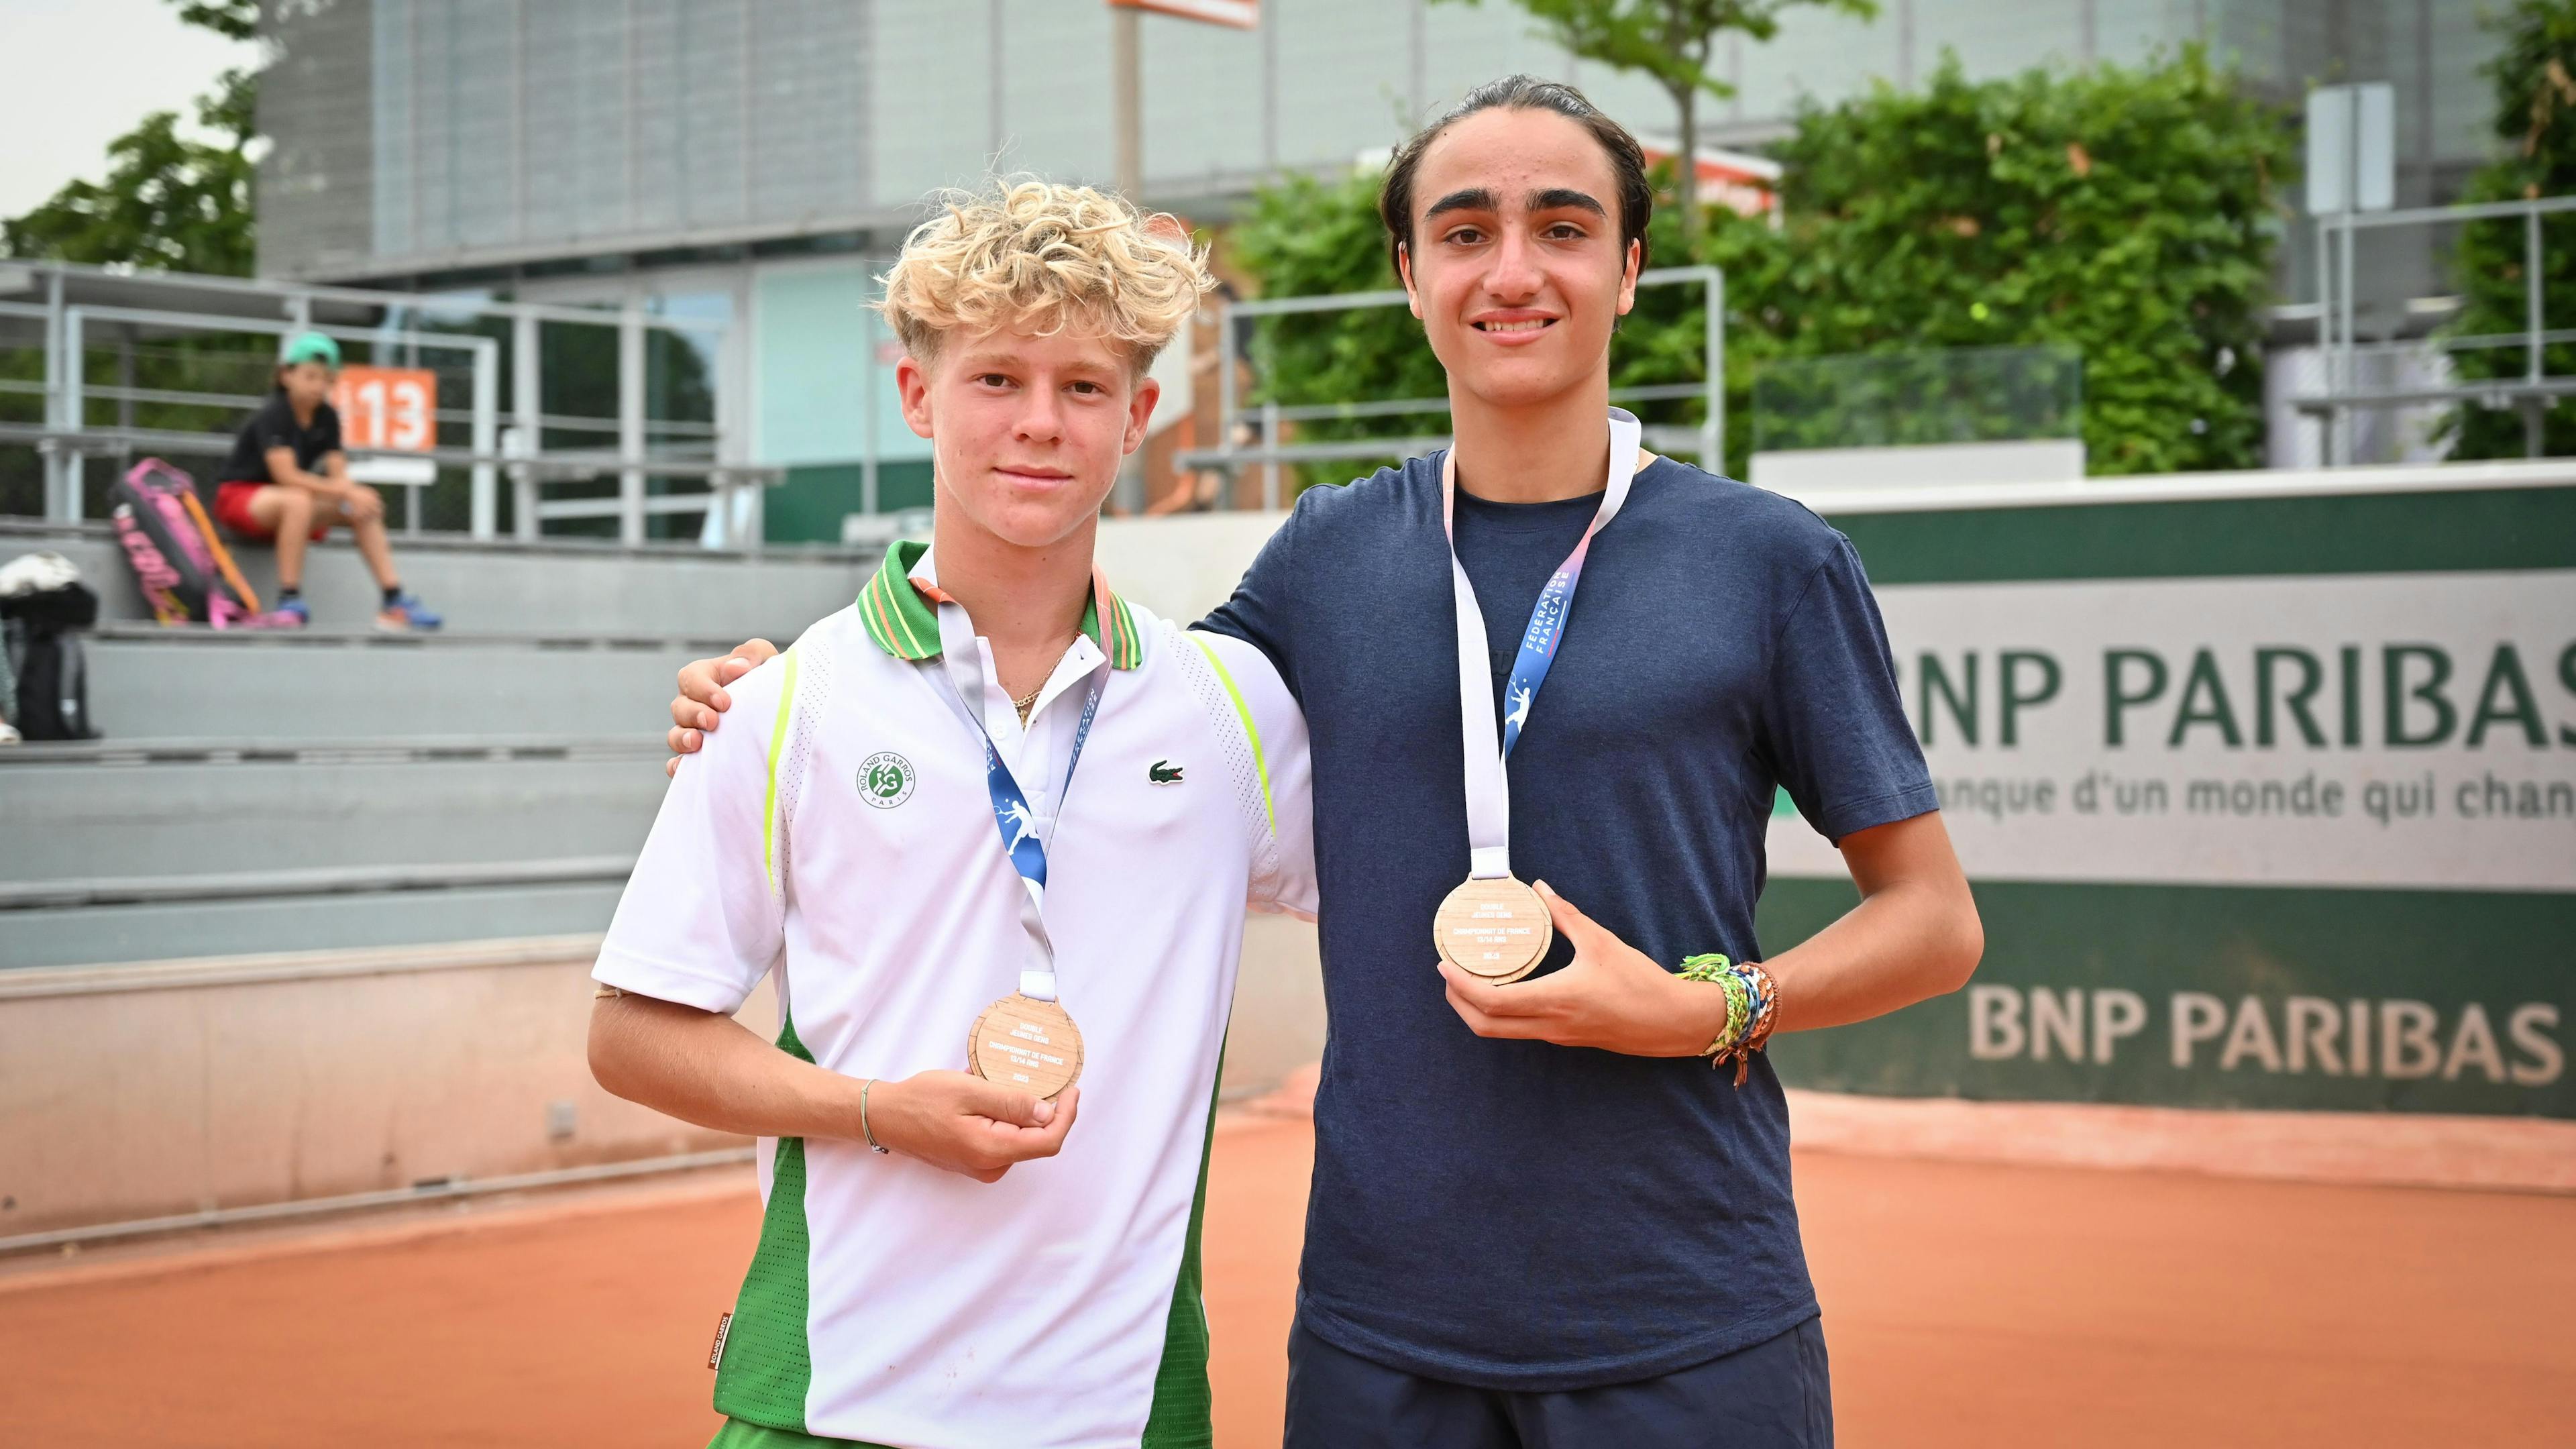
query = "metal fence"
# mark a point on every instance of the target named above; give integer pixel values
(567, 463)
(2355, 385)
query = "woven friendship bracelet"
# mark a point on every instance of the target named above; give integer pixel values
(1752, 1008)
(1705, 968)
(1740, 1007)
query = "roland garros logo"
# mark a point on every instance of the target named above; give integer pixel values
(886, 779)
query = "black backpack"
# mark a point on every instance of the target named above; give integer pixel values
(46, 656)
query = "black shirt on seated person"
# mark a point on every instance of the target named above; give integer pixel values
(274, 426)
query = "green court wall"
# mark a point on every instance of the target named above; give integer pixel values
(2203, 995)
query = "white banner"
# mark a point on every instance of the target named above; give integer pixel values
(2336, 730)
(1241, 14)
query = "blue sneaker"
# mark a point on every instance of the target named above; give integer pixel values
(289, 614)
(406, 612)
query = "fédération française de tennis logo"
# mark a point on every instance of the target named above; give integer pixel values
(886, 779)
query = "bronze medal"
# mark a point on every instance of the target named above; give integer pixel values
(1021, 1041)
(1495, 928)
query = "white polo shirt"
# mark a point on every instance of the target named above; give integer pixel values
(838, 831)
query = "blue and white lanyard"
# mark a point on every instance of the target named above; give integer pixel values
(1024, 833)
(1489, 791)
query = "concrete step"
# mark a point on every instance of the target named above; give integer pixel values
(142, 810)
(305, 882)
(562, 584)
(575, 900)
(149, 683)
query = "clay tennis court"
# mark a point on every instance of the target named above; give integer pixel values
(1967, 1303)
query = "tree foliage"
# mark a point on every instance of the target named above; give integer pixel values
(231, 19)
(2129, 214)
(1670, 42)
(2535, 119)
(169, 202)
(1306, 237)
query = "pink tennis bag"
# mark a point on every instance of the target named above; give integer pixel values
(184, 570)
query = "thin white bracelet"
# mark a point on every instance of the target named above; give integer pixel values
(864, 1130)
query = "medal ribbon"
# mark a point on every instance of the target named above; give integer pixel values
(1489, 791)
(1024, 842)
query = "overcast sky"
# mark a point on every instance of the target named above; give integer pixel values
(77, 74)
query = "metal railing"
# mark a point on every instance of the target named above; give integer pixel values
(2533, 393)
(80, 302)
(1707, 438)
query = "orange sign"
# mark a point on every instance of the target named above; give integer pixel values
(387, 407)
(1746, 185)
(1241, 14)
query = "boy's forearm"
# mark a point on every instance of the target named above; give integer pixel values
(1914, 935)
(1902, 944)
(709, 1070)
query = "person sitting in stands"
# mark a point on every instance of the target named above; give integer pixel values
(287, 480)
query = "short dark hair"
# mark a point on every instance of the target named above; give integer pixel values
(1523, 93)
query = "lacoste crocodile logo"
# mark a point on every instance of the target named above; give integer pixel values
(1163, 772)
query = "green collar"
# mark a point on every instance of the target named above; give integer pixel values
(902, 616)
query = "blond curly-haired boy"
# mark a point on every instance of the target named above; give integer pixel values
(992, 830)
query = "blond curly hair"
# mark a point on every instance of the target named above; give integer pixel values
(1040, 257)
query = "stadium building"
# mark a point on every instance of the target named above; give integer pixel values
(738, 165)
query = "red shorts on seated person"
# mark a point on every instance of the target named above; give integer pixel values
(232, 510)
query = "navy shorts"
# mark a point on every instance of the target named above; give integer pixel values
(1773, 1395)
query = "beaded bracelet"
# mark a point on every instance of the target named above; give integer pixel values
(1752, 1007)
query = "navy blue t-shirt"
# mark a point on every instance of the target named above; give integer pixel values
(1520, 1215)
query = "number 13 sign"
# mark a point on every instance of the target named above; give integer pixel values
(387, 407)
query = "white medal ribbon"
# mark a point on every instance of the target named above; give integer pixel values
(1489, 787)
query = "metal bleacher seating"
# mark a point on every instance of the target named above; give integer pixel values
(340, 788)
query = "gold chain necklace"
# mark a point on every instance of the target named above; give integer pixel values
(1029, 701)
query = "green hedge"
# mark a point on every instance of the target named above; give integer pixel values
(2535, 126)
(2128, 213)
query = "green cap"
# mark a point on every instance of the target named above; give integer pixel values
(311, 347)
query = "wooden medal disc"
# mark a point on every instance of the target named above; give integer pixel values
(1495, 928)
(1021, 1041)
